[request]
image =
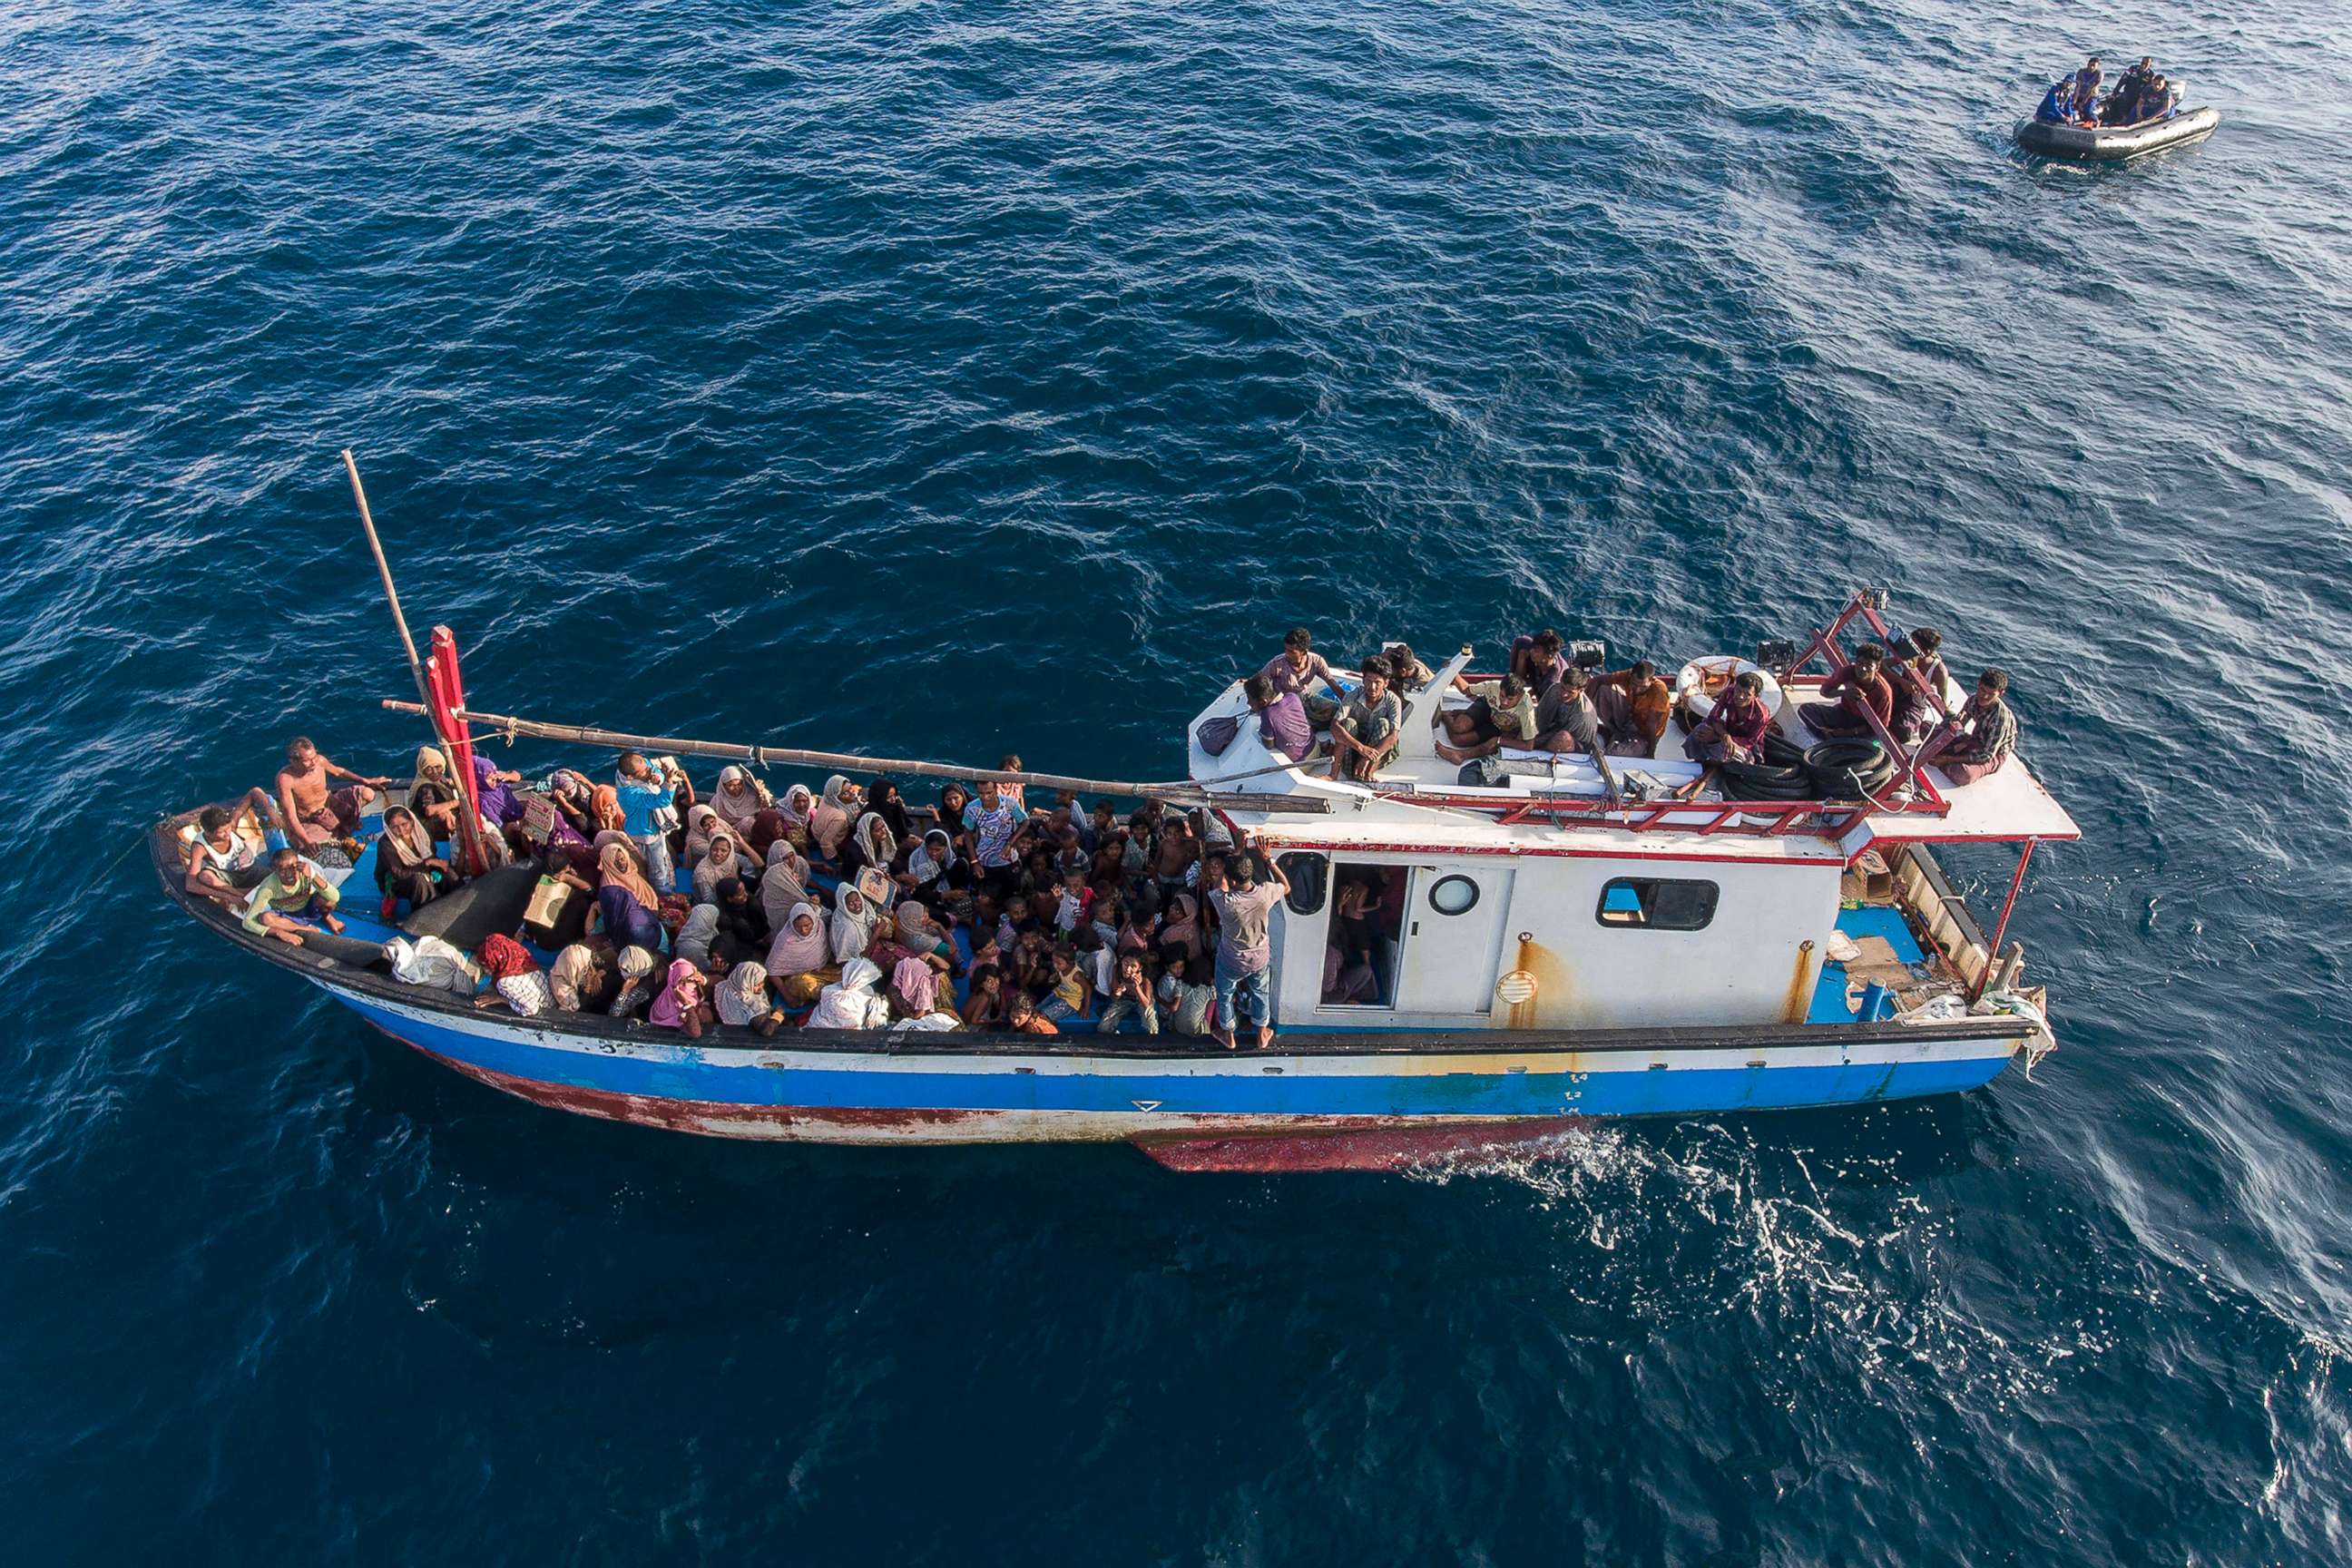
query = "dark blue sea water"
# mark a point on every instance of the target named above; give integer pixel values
(958, 377)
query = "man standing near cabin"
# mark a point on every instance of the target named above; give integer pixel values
(312, 817)
(1245, 950)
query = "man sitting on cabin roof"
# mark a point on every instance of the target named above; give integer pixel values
(1977, 739)
(1367, 727)
(1860, 689)
(312, 815)
(289, 898)
(1634, 706)
(1501, 714)
(1298, 669)
(1281, 719)
(1565, 720)
(1537, 660)
(1731, 731)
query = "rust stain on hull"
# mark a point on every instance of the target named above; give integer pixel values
(1801, 990)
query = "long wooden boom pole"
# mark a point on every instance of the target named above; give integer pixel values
(761, 756)
(383, 570)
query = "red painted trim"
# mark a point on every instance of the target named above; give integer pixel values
(1539, 851)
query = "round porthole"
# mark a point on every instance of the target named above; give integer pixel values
(1452, 895)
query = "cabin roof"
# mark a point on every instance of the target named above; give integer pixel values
(1418, 804)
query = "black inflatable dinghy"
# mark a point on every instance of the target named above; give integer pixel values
(2113, 144)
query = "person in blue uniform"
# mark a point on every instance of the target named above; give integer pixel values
(2157, 102)
(2058, 103)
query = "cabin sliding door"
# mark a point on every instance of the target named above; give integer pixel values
(1452, 945)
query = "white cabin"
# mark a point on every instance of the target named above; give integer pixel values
(1540, 905)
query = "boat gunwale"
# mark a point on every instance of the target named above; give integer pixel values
(335, 974)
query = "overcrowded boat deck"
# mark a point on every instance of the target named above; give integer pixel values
(1390, 909)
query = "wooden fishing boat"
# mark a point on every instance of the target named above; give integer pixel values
(1569, 943)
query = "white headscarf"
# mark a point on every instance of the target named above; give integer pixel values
(737, 811)
(850, 1003)
(784, 884)
(792, 953)
(852, 931)
(695, 937)
(875, 838)
(926, 867)
(743, 997)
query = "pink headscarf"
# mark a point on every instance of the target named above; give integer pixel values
(683, 994)
(914, 983)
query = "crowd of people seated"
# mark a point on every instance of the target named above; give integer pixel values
(2144, 96)
(850, 907)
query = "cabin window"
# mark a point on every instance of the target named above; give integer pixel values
(1657, 903)
(1305, 874)
(1455, 895)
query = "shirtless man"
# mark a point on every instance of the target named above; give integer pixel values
(312, 815)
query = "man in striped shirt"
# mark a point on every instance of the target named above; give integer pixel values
(1977, 739)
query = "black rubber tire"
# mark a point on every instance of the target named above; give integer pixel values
(1856, 754)
(1781, 752)
(1762, 781)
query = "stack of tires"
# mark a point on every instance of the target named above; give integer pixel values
(1835, 770)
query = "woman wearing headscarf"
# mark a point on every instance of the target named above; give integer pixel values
(636, 965)
(933, 872)
(569, 793)
(578, 980)
(408, 865)
(849, 1002)
(701, 824)
(738, 799)
(854, 920)
(515, 976)
(1181, 936)
(830, 823)
(626, 905)
(914, 989)
(433, 793)
(885, 802)
(605, 811)
(742, 1000)
(719, 863)
(924, 937)
(685, 1001)
(873, 843)
(782, 885)
(797, 806)
(695, 937)
(800, 958)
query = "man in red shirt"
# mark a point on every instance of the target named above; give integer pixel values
(1861, 688)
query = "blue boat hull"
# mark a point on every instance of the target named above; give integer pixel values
(915, 1092)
